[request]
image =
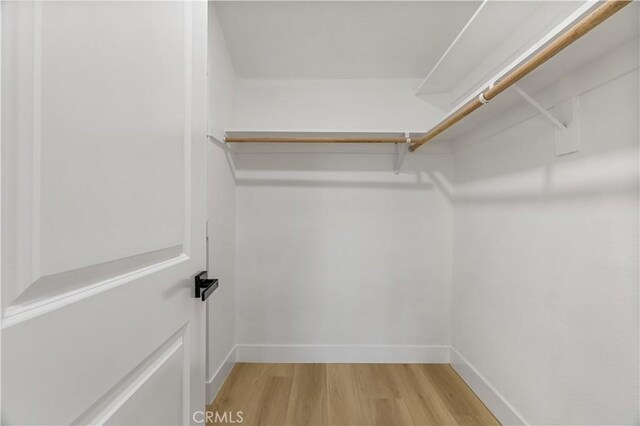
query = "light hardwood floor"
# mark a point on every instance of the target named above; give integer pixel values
(349, 394)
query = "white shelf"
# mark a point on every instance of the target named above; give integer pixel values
(605, 53)
(320, 133)
(484, 48)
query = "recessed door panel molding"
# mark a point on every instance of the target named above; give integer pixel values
(54, 291)
(78, 149)
(166, 368)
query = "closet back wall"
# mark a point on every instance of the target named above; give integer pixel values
(344, 104)
(340, 260)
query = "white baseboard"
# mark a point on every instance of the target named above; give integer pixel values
(343, 353)
(217, 380)
(499, 406)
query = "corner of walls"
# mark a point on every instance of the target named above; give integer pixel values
(217, 379)
(221, 194)
(222, 77)
(221, 313)
(489, 395)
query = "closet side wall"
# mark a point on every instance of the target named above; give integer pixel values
(545, 294)
(221, 316)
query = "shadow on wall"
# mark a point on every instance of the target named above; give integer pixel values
(522, 155)
(335, 249)
(327, 158)
(337, 184)
(357, 171)
(579, 177)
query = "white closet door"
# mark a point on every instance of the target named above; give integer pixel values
(103, 211)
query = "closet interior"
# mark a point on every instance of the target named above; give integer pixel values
(407, 183)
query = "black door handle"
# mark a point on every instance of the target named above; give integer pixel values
(204, 285)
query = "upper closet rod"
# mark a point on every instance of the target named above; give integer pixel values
(582, 27)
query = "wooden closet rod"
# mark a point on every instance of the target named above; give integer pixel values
(582, 27)
(242, 139)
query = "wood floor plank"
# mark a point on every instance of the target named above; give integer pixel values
(273, 404)
(375, 381)
(422, 413)
(308, 400)
(430, 401)
(350, 394)
(241, 391)
(386, 412)
(242, 382)
(460, 400)
(344, 398)
(279, 370)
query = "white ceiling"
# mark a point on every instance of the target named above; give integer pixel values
(340, 39)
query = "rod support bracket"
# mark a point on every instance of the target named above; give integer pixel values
(567, 140)
(223, 144)
(560, 125)
(218, 136)
(566, 136)
(400, 152)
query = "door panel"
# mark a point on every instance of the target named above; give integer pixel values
(163, 392)
(118, 124)
(159, 382)
(103, 211)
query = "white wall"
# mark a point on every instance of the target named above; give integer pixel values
(378, 105)
(335, 252)
(338, 258)
(545, 294)
(222, 80)
(221, 216)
